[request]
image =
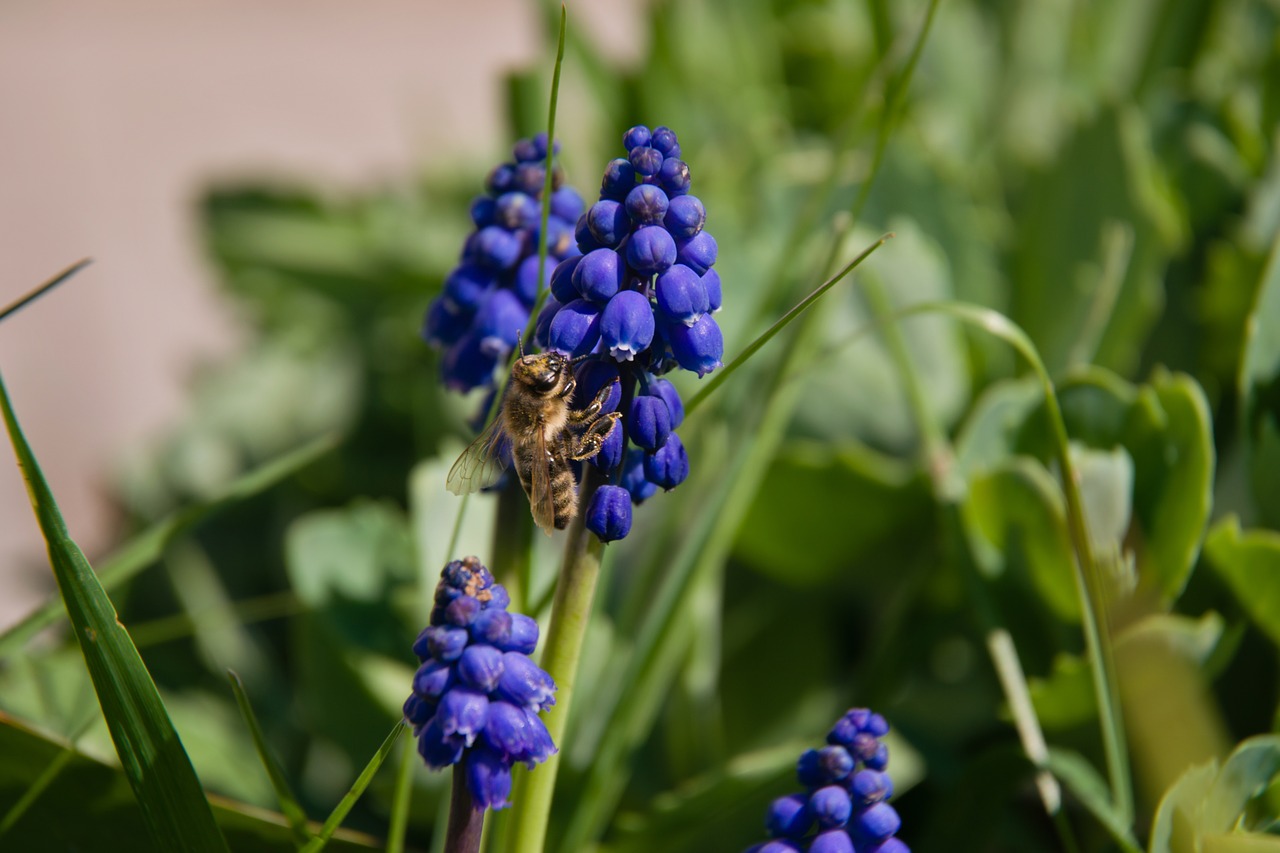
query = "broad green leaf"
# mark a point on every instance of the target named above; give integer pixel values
(1016, 512)
(1247, 772)
(1249, 561)
(888, 494)
(1178, 817)
(989, 434)
(1260, 386)
(1240, 842)
(107, 818)
(1083, 781)
(174, 806)
(1106, 491)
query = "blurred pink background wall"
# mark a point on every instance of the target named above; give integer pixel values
(112, 118)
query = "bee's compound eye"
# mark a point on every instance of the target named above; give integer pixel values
(546, 380)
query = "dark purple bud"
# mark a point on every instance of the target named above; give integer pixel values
(516, 210)
(646, 205)
(418, 710)
(542, 330)
(540, 145)
(567, 204)
(876, 725)
(432, 679)
(698, 252)
(444, 325)
(870, 786)
(530, 178)
(592, 375)
(646, 161)
(607, 221)
(488, 779)
(848, 726)
(651, 250)
(876, 822)
(711, 283)
(582, 234)
(626, 325)
(789, 817)
(674, 177)
(560, 239)
(466, 286)
(480, 667)
(685, 217)
(636, 136)
(599, 275)
(664, 139)
(492, 627)
(664, 389)
(562, 286)
(438, 749)
(880, 759)
(575, 329)
(525, 150)
(483, 211)
(446, 644)
(526, 280)
(864, 747)
(500, 322)
(609, 515)
(525, 684)
(523, 637)
(610, 455)
(501, 179)
(681, 296)
(649, 422)
(669, 465)
(619, 178)
(461, 611)
(499, 598)
(462, 712)
(832, 841)
(831, 806)
(494, 248)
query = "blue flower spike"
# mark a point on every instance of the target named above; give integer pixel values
(844, 808)
(477, 695)
(637, 295)
(485, 302)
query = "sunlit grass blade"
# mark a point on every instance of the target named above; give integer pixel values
(400, 798)
(289, 805)
(148, 546)
(768, 334)
(58, 279)
(151, 753)
(340, 812)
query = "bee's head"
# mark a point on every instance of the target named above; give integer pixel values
(543, 372)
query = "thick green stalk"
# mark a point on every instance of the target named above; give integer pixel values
(570, 610)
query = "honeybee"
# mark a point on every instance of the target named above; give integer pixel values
(544, 434)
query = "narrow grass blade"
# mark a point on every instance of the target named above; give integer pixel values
(45, 779)
(289, 805)
(151, 753)
(400, 799)
(147, 547)
(357, 790)
(752, 348)
(58, 279)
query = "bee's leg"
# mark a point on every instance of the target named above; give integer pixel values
(569, 387)
(590, 413)
(589, 443)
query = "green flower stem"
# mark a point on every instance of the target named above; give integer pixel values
(570, 610)
(401, 796)
(466, 822)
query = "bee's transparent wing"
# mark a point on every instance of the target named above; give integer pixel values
(540, 499)
(480, 464)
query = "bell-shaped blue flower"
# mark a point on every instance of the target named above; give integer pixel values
(526, 285)
(609, 513)
(627, 325)
(492, 627)
(789, 817)
(634, 479)
(466, 287)
(444, 325)
(831, 806)
(610, 455)
(432, 679)
(681, 296)
(468, 364)
(494, 248)
(591, 376)
(525, 684)
(649, 422)
(599, 275)
(480, 667)
(575, 329)
(664, 389)
(500, 322)
(566, 205)
(463, 712)
(522, 636)
(711, 283)
(437, 748)
(488, 778)
(542, 329)
(698, 347)
(446, 644)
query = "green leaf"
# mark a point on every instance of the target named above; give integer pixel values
(107, 818)
(1178, 816)
(173, 804)
(1090, 789)
(339, 813)
(289, 806)
(1016, 520)
(1246, 773)
(1249, 561)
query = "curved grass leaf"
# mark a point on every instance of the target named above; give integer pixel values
(24, 301)
(339, 813)
(173, 804)
(289, 806)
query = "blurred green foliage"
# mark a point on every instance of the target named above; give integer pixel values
(1104, 173)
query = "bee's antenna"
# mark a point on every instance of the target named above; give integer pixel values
(580, 358)
(520, 341)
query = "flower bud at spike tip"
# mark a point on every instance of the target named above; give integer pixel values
(480, 705)
(646, 205)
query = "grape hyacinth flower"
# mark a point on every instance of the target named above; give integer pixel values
(477, 695)
(485, 303)
(635, 305)
(844, 808)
